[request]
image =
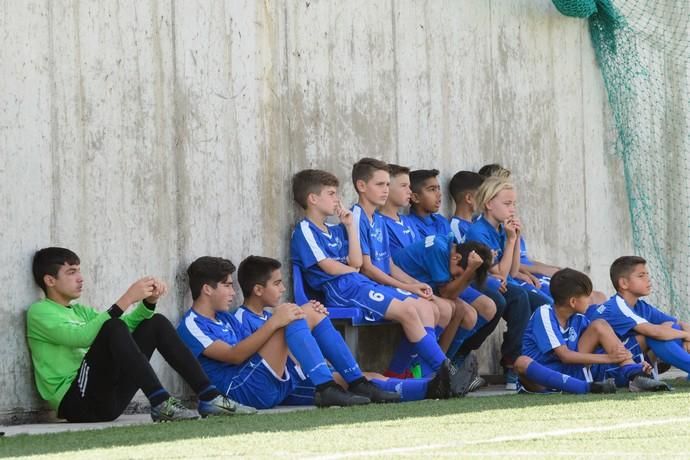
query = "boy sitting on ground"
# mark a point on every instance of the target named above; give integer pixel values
(638, 324)
(560, 346)
(262, 285)
(89, 364)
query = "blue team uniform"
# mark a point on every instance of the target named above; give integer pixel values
(459, 227)
(543, 279)
(310, 245)
(401, 232)
(433, 224)
(428, 261)
(623, 319)
(373, 238)
(253, 382)
(544, 334)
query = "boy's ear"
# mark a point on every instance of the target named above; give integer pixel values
(360, 185)
(311, 198)
(258, 290)
(623, 282)
(469, 197)
(414, 198)
(206, 289)
(49, 280)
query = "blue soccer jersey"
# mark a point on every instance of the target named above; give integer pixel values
(199, 332)
(249, 321)
(427, 260)
(433, 224)
(401, 232)
(524, 255)
(544, 334)
(483, 232)
(310, 245)
(373, 238)
(459, 227)
(623, 318)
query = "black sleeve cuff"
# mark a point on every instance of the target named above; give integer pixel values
(115, 311)
(150, 306)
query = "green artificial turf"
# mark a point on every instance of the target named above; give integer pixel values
(549, 426)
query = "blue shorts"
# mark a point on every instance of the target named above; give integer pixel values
(360, 291)
(303, 393)
(470, 294)
(256, 384)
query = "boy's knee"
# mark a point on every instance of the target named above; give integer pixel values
(485, 307)
(312, 316)
(521, 364)
(403, 311)
(600, 326)
(114, 325)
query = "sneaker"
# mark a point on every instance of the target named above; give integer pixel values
(604, 387)
(375, 394)
(643, 383)
(221, 405)
(511, 379)
(334, 395)
(171, 410)
(462, 377)
(476, 384)
(439, 386)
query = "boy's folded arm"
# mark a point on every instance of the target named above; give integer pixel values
(452, 289)
(400, 275)
(655, 331)
(245, 349)
(374, 273)
(568, 356)
(334, 267)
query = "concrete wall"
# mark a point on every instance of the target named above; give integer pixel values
(143, 134)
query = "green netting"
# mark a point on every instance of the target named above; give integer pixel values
(643, 49)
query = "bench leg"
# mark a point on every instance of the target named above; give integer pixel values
(351, 336)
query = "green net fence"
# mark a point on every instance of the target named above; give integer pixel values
(643, 50)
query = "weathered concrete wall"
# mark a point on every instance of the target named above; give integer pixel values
(143, 134)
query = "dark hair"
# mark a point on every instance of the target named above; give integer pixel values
(255, 270)
(208, 270)
(463, 182)
(622, 267)
(310, 181)
(419, 177)
(47, 261)
(494, 169)
(365, 168)
(568, 283)
(396, 170)
(482, 251)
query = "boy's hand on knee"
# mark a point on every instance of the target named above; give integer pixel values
(423, 290)
(317, 306)
(686, 345)
(286, 313)
(620, 354)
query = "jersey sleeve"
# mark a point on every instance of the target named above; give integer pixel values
(545, 329)
(47, 325)
(361, 223)
(305, 250)
(621, 317)
(656, 316)
(195, 335)
(476, 234)
(457, 231)
(140, 313)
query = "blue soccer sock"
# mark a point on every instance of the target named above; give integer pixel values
(305, 349)
(438, 330)
(629, 371)
(408, 389)
(542, 375)
(336, 351)
(402, 357)
(458, 340)
(671, 352)
(430, 353)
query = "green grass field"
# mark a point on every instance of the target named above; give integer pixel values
(624, 425)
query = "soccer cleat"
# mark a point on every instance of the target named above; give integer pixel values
(603, 387)
(476, 384)
(511, 379)
(375, 394)
(172, 410)
(643, 383)
(439, 386)
(462, 377)
(334, 395)
(221, 405)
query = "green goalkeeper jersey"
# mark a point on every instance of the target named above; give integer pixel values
(59, 336)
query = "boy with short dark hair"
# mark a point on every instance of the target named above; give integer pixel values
(425, 203)
(330, 257)
(251, 366)
(463, 187)
(637, 323)
(262, 285)
(560, 346)
(89, 364)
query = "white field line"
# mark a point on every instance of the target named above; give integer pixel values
(509, 438)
